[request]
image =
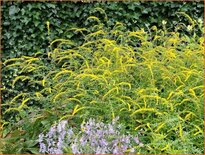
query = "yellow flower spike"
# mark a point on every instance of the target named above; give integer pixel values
(148, 125)
(160, 126)
(62, 72)
(111, 90)
(38, 95)
(125, 83)
(76, 109)
(192, 92)
(184, 100)
(198, 87)
(180, 87)
(48, 27)
(74, 99)
(170, 95)
(143, 110)
(21, 94)
(145, 103)
(49, 90)
(58, 95)
(199, 130)
(139, 126)
(166, 147)
(43, 82)
(188, 116)
(181, 132)
(78, 85)
(23, 105)
(23, 78)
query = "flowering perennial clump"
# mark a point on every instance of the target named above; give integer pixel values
(94, 138)
(53, 141)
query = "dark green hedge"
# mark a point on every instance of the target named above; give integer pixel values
(24, 23)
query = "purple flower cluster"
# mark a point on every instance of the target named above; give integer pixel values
(53, 141)
(101, 138)
(94, 138)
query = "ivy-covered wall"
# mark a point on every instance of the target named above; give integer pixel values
(25, 30)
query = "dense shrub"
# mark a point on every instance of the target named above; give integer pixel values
(152, 80)
(25, 25)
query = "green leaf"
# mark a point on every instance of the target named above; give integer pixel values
(13, 10)
(34, 150)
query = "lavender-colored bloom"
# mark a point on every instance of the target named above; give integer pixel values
(100, 150)
(124, 147)
(100, 132)
(61, 126)
(41, 136)
(51, 150)
(83, 140)
(116, 150)
(103, 142)
(74, 148)
(125, 139)
(115, 142)
(60, 143)
(111, 130)
(51, 132)
(95, 138)
(42, 148)
(70, 131)
(57, 151)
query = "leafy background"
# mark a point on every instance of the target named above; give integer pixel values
(24, 28)
(24, 24)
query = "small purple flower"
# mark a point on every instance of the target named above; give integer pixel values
(103, 142)
(74, 148)
(115, 142)
(51, 132)
(126, 139)
(42, 148)
(100, 150)
(100, 132)
(111, 130)
(70, 132)
(60, 143)
(61, 126)
(116, 150)
(57, 151)
(124, 147)
(83, 140)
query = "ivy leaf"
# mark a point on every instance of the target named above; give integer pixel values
(51, 5)
(13, 10)
(131, 7)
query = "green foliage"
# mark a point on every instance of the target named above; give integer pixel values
(25, 25)
(152, 79)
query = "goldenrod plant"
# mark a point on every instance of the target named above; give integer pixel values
(152, 80)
